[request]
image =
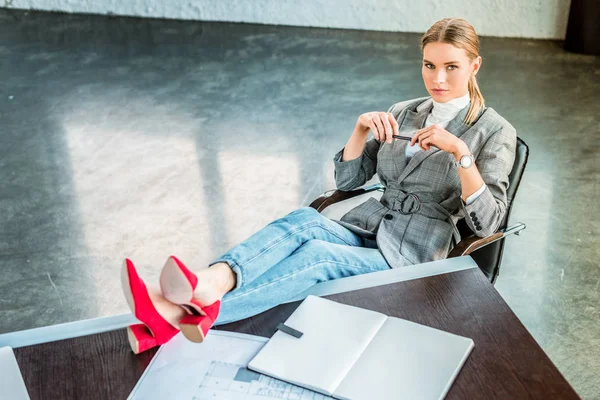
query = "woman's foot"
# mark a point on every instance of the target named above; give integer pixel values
(196, 290)
(199, 293)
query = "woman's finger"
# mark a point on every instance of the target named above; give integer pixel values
(424, 143)
(394, 124)
(387, 127)
(415, 138)
(379, 127)
(373, 128)
(377, 130)
(425, 135)
(419, 133)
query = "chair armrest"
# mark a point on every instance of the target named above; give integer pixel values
(327, 199)
(473, 242)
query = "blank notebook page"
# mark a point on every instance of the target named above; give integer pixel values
(334, 337)
(406, 360)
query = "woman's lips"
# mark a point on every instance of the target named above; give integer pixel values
(439, 90)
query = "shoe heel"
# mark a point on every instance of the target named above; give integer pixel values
(196, 327)
(140, 338)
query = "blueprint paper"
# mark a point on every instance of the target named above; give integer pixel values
(214, 369)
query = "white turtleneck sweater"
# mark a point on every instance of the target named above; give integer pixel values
(441, 114)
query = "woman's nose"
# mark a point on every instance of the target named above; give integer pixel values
(440, 77)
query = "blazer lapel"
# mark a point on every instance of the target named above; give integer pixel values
(414, 120)
(410, 124)
(455, 126)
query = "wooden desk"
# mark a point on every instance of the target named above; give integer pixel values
(506, 362)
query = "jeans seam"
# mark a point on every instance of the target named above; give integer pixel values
(312, 265)
(303, 227)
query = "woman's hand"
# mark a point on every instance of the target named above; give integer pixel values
(437, 136)
(382, 124)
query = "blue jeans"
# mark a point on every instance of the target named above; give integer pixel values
(290, 255)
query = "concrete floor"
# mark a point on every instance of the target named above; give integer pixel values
(138, 138)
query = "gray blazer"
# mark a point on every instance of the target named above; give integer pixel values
(415, 219)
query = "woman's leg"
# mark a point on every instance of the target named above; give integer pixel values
(280, 238)
(313, 262)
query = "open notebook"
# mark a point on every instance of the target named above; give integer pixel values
(351, 353)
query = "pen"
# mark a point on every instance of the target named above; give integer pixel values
(401, 137)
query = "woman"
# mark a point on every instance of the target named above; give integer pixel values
(456, 165)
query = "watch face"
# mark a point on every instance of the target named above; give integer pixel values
(466, 161)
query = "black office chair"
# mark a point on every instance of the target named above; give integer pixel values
(487, 251)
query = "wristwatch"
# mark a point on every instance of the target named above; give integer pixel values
(466, 161)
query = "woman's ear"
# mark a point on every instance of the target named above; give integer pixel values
(476, 64)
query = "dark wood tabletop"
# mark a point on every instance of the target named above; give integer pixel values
(506, 362)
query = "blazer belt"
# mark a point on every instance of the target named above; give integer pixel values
(409, 203)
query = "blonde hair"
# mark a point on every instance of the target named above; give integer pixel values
(459, 33)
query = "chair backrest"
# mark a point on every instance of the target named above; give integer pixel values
(489, 257)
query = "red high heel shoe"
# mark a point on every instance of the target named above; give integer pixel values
(177, 284)
(140, 338)
(141, 306)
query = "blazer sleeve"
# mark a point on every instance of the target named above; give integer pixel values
(355, 173)
(494, 162)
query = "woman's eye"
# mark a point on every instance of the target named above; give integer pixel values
(428, 65)
(453, 67)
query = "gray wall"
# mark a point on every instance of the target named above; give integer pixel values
(543, 19)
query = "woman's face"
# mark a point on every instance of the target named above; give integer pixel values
(447, 68)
